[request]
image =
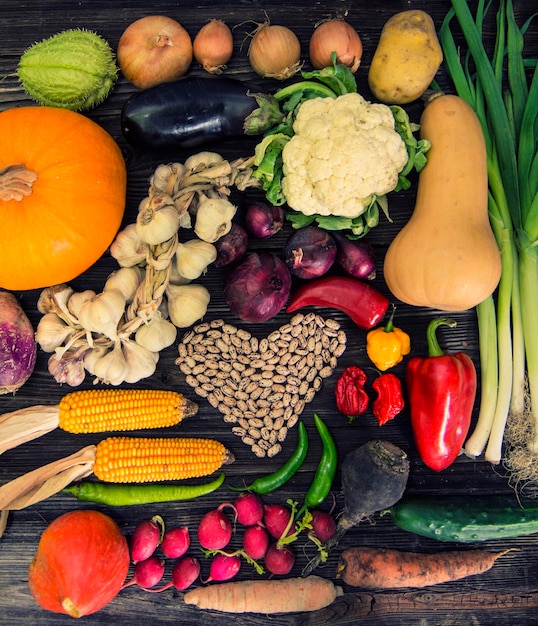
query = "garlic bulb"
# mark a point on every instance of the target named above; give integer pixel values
(111, 368)
(92, 356)
(79, 298)
(187, 303)
(103, 313)
(193, 257)
(157, 334)
(166, 178)
(54, 299)
(201, 160)
(126, 280)
(67, 368)
(51, 332)
(157, 220)
(141, 362)
(128, 248)
(213, 218)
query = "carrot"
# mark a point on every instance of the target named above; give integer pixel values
(390, 569)
(286, 595)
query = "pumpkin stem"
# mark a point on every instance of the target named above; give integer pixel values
(16, 182)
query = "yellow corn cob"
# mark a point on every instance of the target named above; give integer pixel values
(102, 410)
(147, 459)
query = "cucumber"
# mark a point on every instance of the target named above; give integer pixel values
(466, 519)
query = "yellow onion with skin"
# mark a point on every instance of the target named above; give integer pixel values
(213, 46)
(335, 35)
(275, 52)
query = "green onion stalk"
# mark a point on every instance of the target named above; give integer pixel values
(507, 108)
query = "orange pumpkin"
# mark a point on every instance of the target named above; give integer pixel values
(62, 195)
(80, 564)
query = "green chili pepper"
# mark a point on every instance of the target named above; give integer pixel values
(271, 482)
(324, 477)
(128, 495)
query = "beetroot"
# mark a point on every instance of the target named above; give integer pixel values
(215, 529)
(255, 541)
(18, 349)
(279, 560)
(276, 518)
(146, 538)
(224, 567)
(249, 509)
(176, 542)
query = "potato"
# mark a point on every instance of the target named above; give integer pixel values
(406, 59)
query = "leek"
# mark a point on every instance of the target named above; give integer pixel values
(507, 107)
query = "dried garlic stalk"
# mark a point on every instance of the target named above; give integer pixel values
(117, 335)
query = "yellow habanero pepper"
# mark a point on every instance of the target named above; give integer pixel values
(386, 346)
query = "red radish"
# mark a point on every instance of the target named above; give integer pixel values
(215, 529)
(255, 541)
(249, 509)
(224, 567)
(146, 538)
(276, 518)
(176, 542)
(147, 573)
(323, 525)
(279, 560)
(18, 348)
(185, 572)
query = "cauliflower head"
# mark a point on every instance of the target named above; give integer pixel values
(345, 151)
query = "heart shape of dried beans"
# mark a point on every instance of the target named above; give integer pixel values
(261, 386)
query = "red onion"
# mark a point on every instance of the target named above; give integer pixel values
(231, 246)
(257, 287)
(355, 257)
(309, 252)
(263, 220)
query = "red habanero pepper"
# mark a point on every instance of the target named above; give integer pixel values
(442, 391)
(351, 397)
(360, 301)
(389, 401)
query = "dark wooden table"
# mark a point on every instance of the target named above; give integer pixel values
(508, 594)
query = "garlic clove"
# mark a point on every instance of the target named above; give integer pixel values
(187, 303)
(157, 220)
(193, 257)
(126, 280)
(51, 332)
(141, 362)
(157, 334)
(111, 368)
(128, 248)
(103, 313)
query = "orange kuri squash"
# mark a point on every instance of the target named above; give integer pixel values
(62, 195)
(80, 564)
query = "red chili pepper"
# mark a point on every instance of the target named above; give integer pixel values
(351, 397)
(389, 401)
(442, 391)
(361, 302)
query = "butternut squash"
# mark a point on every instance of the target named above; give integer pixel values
(446, 257)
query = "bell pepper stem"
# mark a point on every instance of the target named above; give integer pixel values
(389, 326)
(434, 349)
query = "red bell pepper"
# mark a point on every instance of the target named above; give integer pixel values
(442, 391)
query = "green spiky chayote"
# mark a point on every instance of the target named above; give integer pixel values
(74, 69)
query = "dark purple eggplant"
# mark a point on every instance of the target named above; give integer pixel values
(194, 111)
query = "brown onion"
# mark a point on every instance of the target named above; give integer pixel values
(154, 49)
(338, 36)
(274, 52)
(213, 46)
